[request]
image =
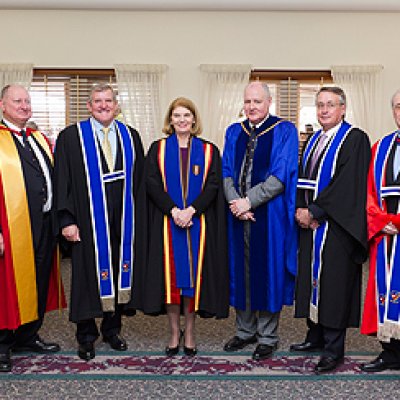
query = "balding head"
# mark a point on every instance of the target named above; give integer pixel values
(257, 100)
(15, 103)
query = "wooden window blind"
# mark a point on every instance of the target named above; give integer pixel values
(294, 90)
(293, 96)
(59, 96)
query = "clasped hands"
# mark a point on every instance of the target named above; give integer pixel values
(240, 208)
(183, 218)
(305, 219)
(390, 229)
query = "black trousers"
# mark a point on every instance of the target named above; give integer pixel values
(28, 333)
(391, 351)
(330, 339)
(87, 332)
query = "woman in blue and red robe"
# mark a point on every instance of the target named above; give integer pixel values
(187, 266)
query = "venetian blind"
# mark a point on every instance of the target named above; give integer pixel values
(288, 100)
(59, 97)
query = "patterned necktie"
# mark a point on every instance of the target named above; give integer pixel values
(106, 146)
(317, 152)
(248, 159)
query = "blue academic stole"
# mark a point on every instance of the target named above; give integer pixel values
(326, 170)
(387, 271)
(184, 248)
(96, 181)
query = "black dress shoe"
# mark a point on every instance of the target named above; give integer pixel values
(378, 365)
(190, 351)
(236, 343)
(327, 364)
(305, 346)
(116, 342)
(5, 362)
(38, 346)
(86, 351)
(262, 352)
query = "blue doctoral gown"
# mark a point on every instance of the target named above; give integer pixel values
(273, 237)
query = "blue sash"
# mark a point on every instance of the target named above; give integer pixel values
(185, 247)
(96, 182)
(387, 271)
(326, 170)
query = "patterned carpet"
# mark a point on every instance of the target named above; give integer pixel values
(144, 373)
(213, 366)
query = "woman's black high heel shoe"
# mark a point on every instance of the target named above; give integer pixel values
(189, 351)
(173, 351)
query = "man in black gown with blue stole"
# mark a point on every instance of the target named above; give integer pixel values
(98, 165)
(260, 175)
(333, 235)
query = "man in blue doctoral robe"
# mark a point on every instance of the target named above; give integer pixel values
(260, 176)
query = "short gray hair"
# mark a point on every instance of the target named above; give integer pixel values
(335, 90)
(101, 87)
(397, 92)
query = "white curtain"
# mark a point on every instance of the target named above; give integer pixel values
(20, 74)
(363, 87)
(222, 89)
(142, 92)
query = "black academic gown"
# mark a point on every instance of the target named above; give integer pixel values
(149, 293)
(343, 201)
(72, 205)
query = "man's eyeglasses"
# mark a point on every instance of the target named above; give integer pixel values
(329, 105)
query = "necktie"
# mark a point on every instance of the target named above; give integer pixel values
(106, 146)
(24, 139)
(248, 159)
(317, 152)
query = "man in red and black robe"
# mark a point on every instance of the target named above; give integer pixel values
(27, 244)
(382, 303)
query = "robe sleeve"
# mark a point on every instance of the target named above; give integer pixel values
(265, 191)
(139, 161)
(63, 200)
(228, 156)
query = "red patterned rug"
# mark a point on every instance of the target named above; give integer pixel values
(211, 366)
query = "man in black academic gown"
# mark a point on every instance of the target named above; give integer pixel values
(98, 164)
(333, 236)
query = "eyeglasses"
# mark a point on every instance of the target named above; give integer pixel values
(329, 105)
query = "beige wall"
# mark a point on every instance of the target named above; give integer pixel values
(183, 40)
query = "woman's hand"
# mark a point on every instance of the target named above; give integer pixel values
(183, 218)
